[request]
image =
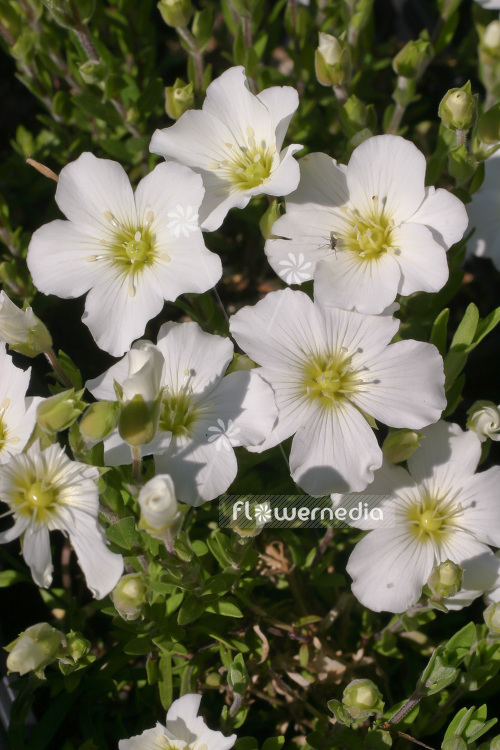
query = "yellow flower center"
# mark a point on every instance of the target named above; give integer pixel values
(434, 516)
(39, 497)
(369, 238)
(178, 412)
(331, 379)
(247, 165)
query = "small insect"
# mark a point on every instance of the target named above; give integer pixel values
(332, 244)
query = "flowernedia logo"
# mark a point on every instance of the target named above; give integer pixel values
(252, 512)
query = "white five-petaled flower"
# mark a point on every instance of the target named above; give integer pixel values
(234, 143)
(17, 413)
(329, 370)
(184, 730)
(372, 230)
(484, 213)
(123, 247)
(196, 395)
(224, 437)
(45, 491)
(295, 270)
(440, 510)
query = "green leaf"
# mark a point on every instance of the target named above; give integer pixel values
(9, 577)
(273, 743)
(138, 646)
(459, 645)
(225, 608)
(123, 533)
(165, 686)
(192, 608)
(91, 105)
(439, 331)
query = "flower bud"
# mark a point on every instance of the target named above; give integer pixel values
(129, 595)
(484, 419)
(492, 618)
(399, 445)
(140, 394)
(362, 699)
(457, 109)
(445, 579)
(21, 329)
(332, 61)
(33, 649)
(491, 39)
(408, 62)
(60, 411)
(76, 647)
(100, 420)
(93, 71)
(175, 12)
(266, 223)
(161, 516)
(178, 98)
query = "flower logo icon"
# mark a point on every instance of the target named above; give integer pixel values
(295, 270)
(225, 436)
(262, 513)
(183, 220)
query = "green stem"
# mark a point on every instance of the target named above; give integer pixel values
(405, 709)
(136, 463)
(195, 53)
(53, 360)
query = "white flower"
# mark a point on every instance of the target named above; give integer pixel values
(196, 395)
(484, 214)
(440, 511)
(224, 437)
(262, 513)
(484, 419)
(21, 329)
(329, 369)
(122, 246)
(17, 413)
(185, 730)
(234, 142)
(46, 491)
(295, 270)
(161, 516)
(371, 229)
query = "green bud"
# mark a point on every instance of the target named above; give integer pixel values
(492, 618)
(362, 699)
(399, 445)
(76, 647)
(178, 98)
(272, 213)
(175, 12)
(490, 42)
(461, 164)
(457, 109)
(60, 411)
(332, 61)
(93, 71)
(100, 420)
(488, 127)
(33, 649)
(138, 420)
(70, 14)
(446, 579)
(21, 329)
(129, 595)
(241, 362)
(408, 62)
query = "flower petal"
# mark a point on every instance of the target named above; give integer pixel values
(404, 385)
(444, 214)
(36, 552)
(422, 260)
(335, 450)
(391, 168)
(281, 102)
(479, 497)
(389, 568)
(447, 454)
(88, 187)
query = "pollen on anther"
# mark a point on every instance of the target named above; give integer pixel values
(137, 236)
(149, 217)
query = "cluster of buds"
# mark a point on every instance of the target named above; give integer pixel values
(41, 645)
